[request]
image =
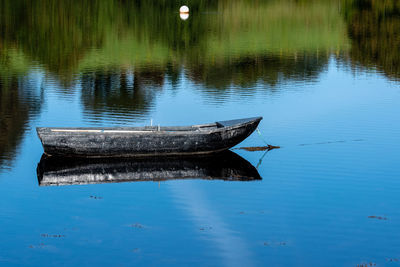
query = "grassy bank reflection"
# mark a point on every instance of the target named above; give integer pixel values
(374, 28)
(121, 53)
(20, 100)
(73, 36)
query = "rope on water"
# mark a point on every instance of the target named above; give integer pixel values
(262, 157)
(260, 135)
(269, 147)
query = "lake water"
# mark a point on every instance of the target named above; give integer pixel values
(325, 76)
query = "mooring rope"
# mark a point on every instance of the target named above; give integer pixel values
(269, 147)
(262, 157)
(261, 136)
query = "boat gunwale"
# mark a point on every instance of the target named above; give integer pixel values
(122, 130)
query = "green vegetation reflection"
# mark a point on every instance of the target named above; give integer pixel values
(374, 28)
(121, 52)
(20, 100)
(72, 36)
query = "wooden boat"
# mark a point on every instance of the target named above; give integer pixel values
(228, 166)
(146, 141)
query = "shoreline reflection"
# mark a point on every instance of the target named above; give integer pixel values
(228, 166)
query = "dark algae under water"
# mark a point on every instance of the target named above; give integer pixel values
(325, 76)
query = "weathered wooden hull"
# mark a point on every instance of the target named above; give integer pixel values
(146, 141)
(55, 171)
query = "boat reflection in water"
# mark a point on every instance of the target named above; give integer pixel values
(227, 166)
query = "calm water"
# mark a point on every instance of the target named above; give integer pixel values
(325, 75)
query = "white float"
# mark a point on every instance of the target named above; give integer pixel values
(184, 10)
(184, 16)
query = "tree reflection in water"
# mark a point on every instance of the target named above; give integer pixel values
(122, 52)
(374, 29)
(19, 102)
(119, 92)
